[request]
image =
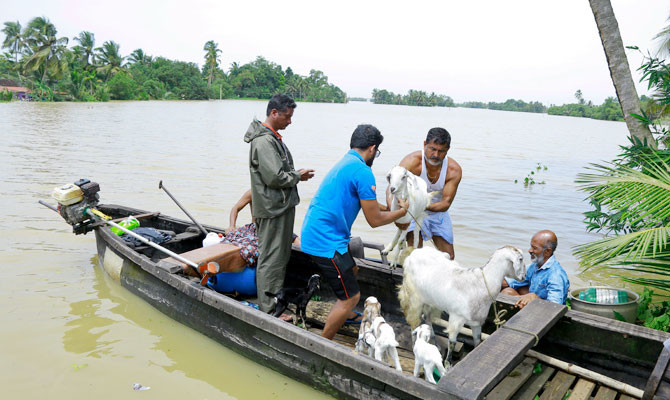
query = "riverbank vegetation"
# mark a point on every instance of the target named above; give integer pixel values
(39, 59)
(630, 197)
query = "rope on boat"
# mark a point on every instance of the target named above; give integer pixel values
(498, 315)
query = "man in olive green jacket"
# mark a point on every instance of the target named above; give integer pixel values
(274, 195)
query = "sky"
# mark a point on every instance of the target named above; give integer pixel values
(534, 50)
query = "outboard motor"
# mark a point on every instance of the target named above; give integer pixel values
(74, 200)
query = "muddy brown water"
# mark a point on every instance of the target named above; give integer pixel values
(69, 331)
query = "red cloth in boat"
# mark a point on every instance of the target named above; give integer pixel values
(246, 239)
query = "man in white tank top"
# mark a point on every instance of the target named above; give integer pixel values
(442, 174)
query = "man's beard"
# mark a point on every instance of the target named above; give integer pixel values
(370, 161)
(538, 260)
(433, 161)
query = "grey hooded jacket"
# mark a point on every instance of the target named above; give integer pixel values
(273, 179)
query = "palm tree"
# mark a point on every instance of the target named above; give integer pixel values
(13, 39)
(138, 57)
(86, 41)
(639, 199)
(619, 69)
(664, 45)
(46, 49)
(109, 59)
(212, 59)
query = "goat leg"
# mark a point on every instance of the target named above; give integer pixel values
(393, 242)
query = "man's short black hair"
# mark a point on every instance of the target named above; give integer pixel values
(281, 103)
(364, 136)
(439, 136)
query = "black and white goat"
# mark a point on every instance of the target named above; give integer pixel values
(433, 283)
(298, 296)
(405, 185)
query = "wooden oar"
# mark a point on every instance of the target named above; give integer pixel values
(160, 186)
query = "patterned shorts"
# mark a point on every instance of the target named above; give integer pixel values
(246, 239)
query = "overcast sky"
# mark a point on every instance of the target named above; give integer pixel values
(469, 50)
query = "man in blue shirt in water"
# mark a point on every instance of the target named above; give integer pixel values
(545, 278)
(348, 188)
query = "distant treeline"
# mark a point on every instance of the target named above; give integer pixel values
(610, 109)
(508, 105)
(412, 98)
(40, 60)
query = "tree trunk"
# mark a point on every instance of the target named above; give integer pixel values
(619, 69)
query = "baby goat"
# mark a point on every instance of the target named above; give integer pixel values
(298, 296)
(366, 339)
(433, 283)
(426, 355)
(405, 185)
(385, 343)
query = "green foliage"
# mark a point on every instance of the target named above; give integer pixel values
(610, 110)
(534, 173)
(88, 73)
(631, 196)
(6, 95)
(122, 87)
(654, 316)
(518, 105)
(412, 98)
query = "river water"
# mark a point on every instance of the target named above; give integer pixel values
(69, 331)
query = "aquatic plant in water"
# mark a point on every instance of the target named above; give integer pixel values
(534, 173)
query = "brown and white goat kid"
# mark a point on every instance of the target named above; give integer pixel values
(366, 339)
(405, 185)
(433, 283)
(426, 355)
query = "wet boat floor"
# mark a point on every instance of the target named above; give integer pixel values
(529, 380)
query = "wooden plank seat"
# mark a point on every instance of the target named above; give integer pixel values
(656, 386)
(482, 369)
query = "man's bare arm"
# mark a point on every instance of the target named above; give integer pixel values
(376, 218)
(241, 203)
(450, 188)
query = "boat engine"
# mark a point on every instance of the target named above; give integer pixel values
(73, 202)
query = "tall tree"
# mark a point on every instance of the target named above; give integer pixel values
(139, 57)
(47, 49)
(109, 58)
(212, 59)
(86, 41)
(664, 41)
(13, 39)
(619, 69)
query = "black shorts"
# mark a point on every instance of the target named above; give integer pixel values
(339, 272)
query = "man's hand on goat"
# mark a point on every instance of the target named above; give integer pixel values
(403, 203)
(525, 299)
(306, 174)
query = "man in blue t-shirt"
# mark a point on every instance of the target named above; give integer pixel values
(545, 278)
(348, 188)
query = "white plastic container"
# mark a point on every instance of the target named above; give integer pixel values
(212, 238)
(68, 194)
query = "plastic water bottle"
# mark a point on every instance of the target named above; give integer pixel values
(604, 296)
(129, 223)
(212, 238)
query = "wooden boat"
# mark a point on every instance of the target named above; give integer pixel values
(618, 350)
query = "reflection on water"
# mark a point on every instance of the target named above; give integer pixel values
(60, 311)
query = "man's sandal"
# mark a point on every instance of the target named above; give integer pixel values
(356, 319)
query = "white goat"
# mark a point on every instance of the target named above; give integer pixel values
(385, 343)
(433, 283)
(426, 355)
(405, 185)
(372, 310)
